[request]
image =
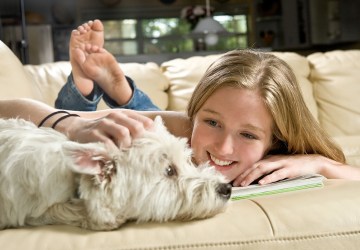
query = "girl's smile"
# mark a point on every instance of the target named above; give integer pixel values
(232, 131)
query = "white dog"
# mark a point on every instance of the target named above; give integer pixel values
(47, 179)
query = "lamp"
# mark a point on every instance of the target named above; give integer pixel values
(24, 49)
(209, 27)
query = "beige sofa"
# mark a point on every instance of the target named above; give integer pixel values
(321, 218)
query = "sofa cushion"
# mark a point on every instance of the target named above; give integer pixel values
(336, 79)
(149, 78)
(351, 148)
(50, 77)
(184, 74)
(319, 218)
(14, 81)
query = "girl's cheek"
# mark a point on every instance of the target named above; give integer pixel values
(229, 177)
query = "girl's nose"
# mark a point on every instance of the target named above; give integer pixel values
(225, 145)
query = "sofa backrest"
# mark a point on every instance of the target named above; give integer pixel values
(336, 79)
(50, 77)
(183, 76)
(330, 83)
(149, 78)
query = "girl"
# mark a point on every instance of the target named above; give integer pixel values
(246, 116)
(248, 106)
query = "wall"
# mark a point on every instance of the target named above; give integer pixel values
(65, 15)
(334, 21)
(55, 11)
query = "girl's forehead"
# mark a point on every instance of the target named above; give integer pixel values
(235, 93)
(234, 102)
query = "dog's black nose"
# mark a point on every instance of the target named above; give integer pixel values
(224, 190)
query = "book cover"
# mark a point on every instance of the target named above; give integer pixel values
(286, 185)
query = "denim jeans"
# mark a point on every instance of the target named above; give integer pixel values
(70, 98)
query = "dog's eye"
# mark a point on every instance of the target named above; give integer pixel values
(170, 171)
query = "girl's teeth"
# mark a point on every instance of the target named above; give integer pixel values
(220, 162)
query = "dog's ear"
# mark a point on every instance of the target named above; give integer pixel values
(159, 124)
(87, 158)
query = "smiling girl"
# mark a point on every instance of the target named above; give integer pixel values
(247, 116)
(249, 119)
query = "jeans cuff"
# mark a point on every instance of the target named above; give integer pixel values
(138, 101)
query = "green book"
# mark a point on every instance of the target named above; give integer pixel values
(286, 185)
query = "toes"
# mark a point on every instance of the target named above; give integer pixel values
(81, 29)
(75, 32)
(97, 25)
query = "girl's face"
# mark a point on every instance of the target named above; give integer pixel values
(232, 131)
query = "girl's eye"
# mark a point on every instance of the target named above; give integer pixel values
(212, 123)
(249, 136)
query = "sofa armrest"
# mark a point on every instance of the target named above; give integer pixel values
(14, 80)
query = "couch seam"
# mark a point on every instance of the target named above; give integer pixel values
(267, 216)
(244, 243)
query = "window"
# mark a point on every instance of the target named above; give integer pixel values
(169, 35)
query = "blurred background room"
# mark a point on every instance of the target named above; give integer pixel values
(157, 30)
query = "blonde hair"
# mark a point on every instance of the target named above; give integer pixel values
(295, 129)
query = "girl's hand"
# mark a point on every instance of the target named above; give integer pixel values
(114, 129)
(278, 167)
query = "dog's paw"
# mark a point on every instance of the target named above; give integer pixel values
(102, 225)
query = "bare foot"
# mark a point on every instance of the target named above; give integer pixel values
(91, 32)
(101, 66)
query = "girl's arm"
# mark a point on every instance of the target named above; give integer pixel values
(278, 167)
(112, 126)
(176, 122)
(27, 109)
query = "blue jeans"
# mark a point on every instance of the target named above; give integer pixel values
(70, 98)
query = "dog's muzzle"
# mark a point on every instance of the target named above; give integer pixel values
(224, 190)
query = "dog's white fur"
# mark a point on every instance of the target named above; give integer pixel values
(47, 179)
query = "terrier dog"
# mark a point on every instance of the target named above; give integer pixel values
(47, 179)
